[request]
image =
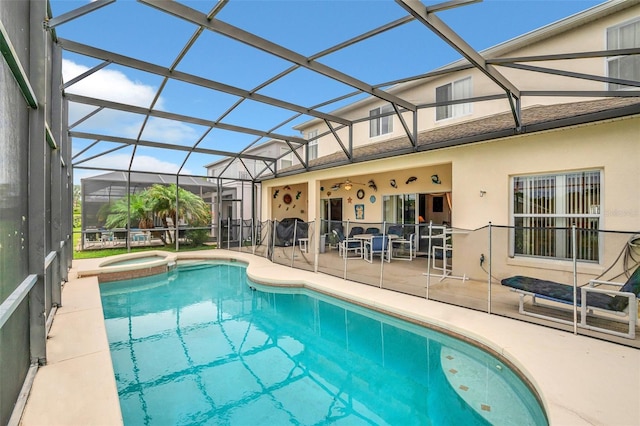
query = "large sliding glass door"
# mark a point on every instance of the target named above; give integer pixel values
(399, 209)
(330, 214)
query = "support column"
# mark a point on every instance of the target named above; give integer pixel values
(57, 176)
(38, 185)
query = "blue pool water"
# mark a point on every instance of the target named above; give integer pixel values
(198, 346)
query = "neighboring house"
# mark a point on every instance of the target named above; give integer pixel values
(100, 191)
(570, 159)
(236, 179)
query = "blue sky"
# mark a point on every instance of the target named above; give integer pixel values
(305, 26)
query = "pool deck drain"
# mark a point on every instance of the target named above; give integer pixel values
(582, 380)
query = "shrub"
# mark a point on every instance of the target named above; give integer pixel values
(197, 236)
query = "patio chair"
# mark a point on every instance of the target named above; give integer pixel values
(395, 230)
(372, 230)
(619, 304)
(348, 245)
(140, 237)
(119, 235)
(403, 248)
(377, 245)
(356, 230)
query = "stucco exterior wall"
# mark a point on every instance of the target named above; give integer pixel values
(611, 146)
(298, 195)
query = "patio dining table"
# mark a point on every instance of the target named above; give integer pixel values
(369, 236)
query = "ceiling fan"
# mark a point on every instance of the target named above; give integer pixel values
(347, 185)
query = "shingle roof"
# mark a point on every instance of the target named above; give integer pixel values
(534, 119)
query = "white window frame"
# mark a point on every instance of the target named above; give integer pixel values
(400, 208)
(631, 61)
(528, 236)
(379, 126)
(458, 89)
(312, 146)
(286, 160)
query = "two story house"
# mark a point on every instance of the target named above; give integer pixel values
(563, 151)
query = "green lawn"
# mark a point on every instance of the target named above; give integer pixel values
(95, 253)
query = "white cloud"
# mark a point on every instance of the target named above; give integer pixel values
(121, 162)
(108, 84)
(168, 131)
(115, 86)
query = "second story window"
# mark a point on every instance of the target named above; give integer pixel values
(623, 36)
(287, 160)
(380, 125)
(313, 145)
(460, 89)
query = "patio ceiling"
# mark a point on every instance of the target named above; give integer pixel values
(280, 75)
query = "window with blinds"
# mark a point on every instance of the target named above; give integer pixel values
(546, 206)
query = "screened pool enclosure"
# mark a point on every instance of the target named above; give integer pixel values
(211, 107)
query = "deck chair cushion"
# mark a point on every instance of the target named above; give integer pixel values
(560, 292)
(631, 286)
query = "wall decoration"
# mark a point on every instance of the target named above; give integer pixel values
(435, 179)
(349, 200)
(287, 187)
(321, 188)
(287, 198)
(373, 185)
(359, 211)
(298, 195)
(360, 194)
(328, 193)
(411, 179)
(393, 183)
(372, 199)
(275, 194)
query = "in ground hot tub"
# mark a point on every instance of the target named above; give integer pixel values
(131, 265)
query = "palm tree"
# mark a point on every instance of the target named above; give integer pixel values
(190, 207)
(140, 209)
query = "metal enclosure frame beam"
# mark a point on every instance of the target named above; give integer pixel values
(179, 117)
(438, 27)
(11, 57)
(126, 61)
(242, 36)
(39, 188)
(150, 144)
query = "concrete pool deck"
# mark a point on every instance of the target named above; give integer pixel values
(581, 380)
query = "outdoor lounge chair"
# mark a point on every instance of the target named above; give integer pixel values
(620, 304)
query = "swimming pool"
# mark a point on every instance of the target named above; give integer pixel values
(198, 346)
